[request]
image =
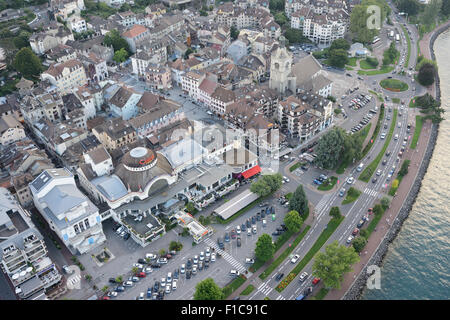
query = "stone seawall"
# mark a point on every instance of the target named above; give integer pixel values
(377, 258)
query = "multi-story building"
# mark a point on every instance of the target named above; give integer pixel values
(11, 130)
(41, 42)
(124, 103)
(114, 134)
(221, 99)
(69, 213)
(136, 36)
(66, 75)
(23, 253)
(153, 53)
(95, 66)
(190, 82)
(158, 77)
(77, 24)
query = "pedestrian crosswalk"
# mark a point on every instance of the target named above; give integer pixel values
(323, 202)
(228, 257)
(370, 192)
(280, 297)
(265, 289)
(73, 280)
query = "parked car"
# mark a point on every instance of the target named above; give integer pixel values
(350, 238)
(227, 237)
(234, 273)
(355, 232)
(188, 274)
(303, 276)
(183, 268)
(315, 281)
(162, 261)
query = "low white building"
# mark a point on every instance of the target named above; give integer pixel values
(11, 130)
(69, 213)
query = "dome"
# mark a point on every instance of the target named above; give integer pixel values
(139, 158)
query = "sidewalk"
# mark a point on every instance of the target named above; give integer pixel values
(390, 214)
(254, 278)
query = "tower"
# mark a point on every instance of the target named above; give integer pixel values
(280, 68)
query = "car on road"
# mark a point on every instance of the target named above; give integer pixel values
(378, 173)
(168, 289)
(138, 265)
(238, 230)
(350, 239)
(119, 289)
(227, 237)
(295, 258)
(128, 284)
(233, 234)
(350, 180)
(195, 259)
(142, 261)
(307, 291)
(149, 292)
(194, 269)
(188, 274)
(279, 276)
(249, 232)
(303, 276)
(253, 220)
(162, 261)
(249, 260)
(220, 243)
(254, 229)
(183, 268)
(202, 256)
(360, 223)
(238, 241)
(174, 284)
(234, 273)
(374, 179)
(248, 223)
(384, 162)
(213, 257)
(141, 275)
(200, 265)
(141, 296)
(355, 232)
(315, 281)
(383, 135)
(151, 256)
(341, 192)
(243, 227)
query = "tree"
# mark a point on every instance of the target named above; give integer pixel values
(105, 288)
(264, 248)
(295, 36)
(431, 11)
(280, 18)
(411, 7)
(190, 207)
(22, 40)
(119, 279)
(335, 212)
(378, 209)
(234, 32)
(120, 55)
(293, 221)
(330, 148)
(188, 52)
(364, 233)
(299, 202)
(395, 184)
(134, 270)
(208, 290)
(27, 63)
(338, 58)
(174, 245)
(267, 184)
(276, 5)
(385, 202)
(340, 44)
(332, 264)
(445, 9)
(162, 252)
(114, 39)
(359, 243)
(426, 74)
(358, 25)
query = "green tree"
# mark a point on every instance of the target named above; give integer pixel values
(134, 270)
(208, 290)
(120, 55)
(340, 44)
(234, 33)
(299, 201)
(445, 9)
(335, 212)
(188, 52)
(267, 184)
(114, 39)
(174, 245)
(364, 233)
(378, 209)
(431, 11)
(330, 148)
(276, 5)
(190, 207)
(27, 63)
(426, 74)
(22, 40)
(332, 264)
(264, 248)
(385, 202)
(119, 279)
(293, 221)
(338, 58)
(358, 25)
(411, 7)
(162, 252)
(105, 288)
(359, 243)
(281, 19)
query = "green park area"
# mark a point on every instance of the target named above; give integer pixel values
(417, 131)
(352, 195)
(393, 85)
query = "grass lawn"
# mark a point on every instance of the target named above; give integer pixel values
(321, 294)
(412, 103)
(396, 100)
(375, 133)
(378, 95)
(409, 46)
(370, 169)
(352, 61)
(295, 166)
(417, 130)
(374, 222)
(393, 85)
(324, 236)
(284, 255)
(248, 290)
(236, 283)
(366, 65)
(352, 195)
(328, 185)
(384, 69)
(399, 177)
(348, 68)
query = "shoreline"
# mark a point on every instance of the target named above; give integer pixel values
(356, 289)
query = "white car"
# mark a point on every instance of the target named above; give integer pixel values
(238, 230)
(163, 282)
(249, 260)
(183, 268)
(194, 269)
(141, 296)
(378, 172)
(138, 265)
(113, 294)
(174, 284)
(303, 276)
(150, 256)
(383, 135)
(254, 229)
(168, 289)
(234, 273)
(195, 259)
(128, 284)
(148, 270)
(202, 256)
(350, 180)
(213, 257)
(208, 252)
(169, 277)
(295, 258)
(349, 239)
(162, 261)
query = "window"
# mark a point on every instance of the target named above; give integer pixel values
(86, 223)
(77, 230)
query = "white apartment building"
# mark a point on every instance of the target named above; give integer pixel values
(190, 82)
(73, 217)
(66, 75)
(11, 130)
(77, 24)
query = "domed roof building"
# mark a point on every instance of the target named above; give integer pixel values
(143, 170)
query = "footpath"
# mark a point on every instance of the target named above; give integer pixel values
(254, 279)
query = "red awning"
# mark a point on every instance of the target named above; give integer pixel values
(251, 172)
